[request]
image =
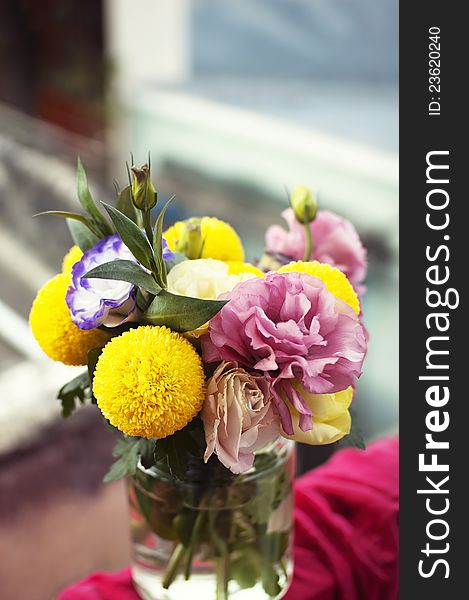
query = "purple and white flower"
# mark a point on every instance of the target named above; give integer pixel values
(93, 302)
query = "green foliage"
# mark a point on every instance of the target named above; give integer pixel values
(70, 216)
(143, 300)
(125, 270)
(174, 452)
(158, 242)
(83, 237)
(274, 545)
(92, 360)
(219, 519)
(270, 580)
(171, 454)
(272, 488)
(75, 392)
(184, 525)
(79, 389)
(125, 204)
(181, 313)
(245, 568)
(175, 456)
(88, 203)
(160, 307)
(132, 236)
(127, 452)
(95, 222)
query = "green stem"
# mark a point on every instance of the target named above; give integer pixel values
(159, 271)
(147, 225)
(223, 562)
(218, 542)
(222, 578)
(139, 217)
(173, 566)
(193, 541)
(309, 241)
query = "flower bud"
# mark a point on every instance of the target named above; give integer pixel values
(304, 204)
(191, 243)
(143, 193)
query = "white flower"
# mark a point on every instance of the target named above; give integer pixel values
(204, 278)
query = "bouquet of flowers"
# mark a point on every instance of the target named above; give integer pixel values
(208, 365)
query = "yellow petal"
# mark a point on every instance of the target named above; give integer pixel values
(331, 417)
(72, 256)
(334, 280)
(221, 241)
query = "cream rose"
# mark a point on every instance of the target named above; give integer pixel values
(204, 278)
(238, 416)
(331, 417)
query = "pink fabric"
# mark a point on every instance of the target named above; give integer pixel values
(102, 586)
(346, 533)
(346, 527)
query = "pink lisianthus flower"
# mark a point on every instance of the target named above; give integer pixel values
(335, 241)
(292, 329)
(238, 416)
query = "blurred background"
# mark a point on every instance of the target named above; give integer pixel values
(235, 101)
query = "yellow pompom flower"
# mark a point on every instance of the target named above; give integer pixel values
(331, 417)
(72, 256)
(220, 240)
(149, 382)
(334, 280)
(239, 268)
(53, 328)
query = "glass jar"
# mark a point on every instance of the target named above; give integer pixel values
(215, 535)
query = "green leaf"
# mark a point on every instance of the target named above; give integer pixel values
(158, 242)
(175, 452)
(270, 581)
(81, 235)
(184, 525)
(177, 461)
(132, 236)
(274, 545)
(125, 204)
(168, 450)
(245, 568)
(78, 390)
(88, 203)
(181, 313)
(127, 452)
(184, 439)
(143, 300)
(119, 329)
(124, 270)
(147, 452)
(92, 360)
(74, 217)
